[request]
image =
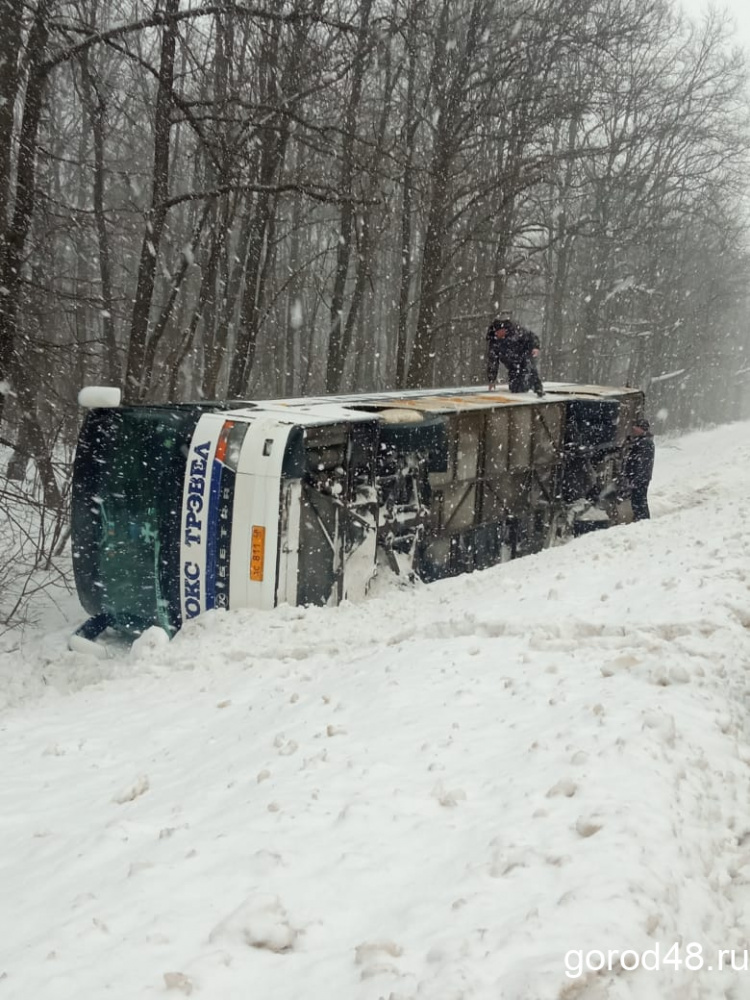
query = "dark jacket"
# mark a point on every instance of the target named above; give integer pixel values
(510, 343)
(639, 464)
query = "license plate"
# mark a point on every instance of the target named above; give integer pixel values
(257, 553)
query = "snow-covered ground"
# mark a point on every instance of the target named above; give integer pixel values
(455, 792)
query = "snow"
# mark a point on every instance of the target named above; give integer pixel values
(397, 416)
(444, 792)
(99, 395)
(668, 375)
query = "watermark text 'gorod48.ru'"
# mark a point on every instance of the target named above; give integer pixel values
(691, 957)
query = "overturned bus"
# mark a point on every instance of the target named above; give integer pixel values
(181, 508)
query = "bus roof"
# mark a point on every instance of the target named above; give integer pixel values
(314, 409)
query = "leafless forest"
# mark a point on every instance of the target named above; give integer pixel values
(244, 200)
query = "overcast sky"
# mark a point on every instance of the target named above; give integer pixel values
(738, 9)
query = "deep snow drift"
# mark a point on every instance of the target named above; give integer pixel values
(445, 792)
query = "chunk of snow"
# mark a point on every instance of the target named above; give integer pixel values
(87, 647)
(149, 642)
(178, 981)
(139, 787)
(259, 922)
(400, 416)
(92, 396)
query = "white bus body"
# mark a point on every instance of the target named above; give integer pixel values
(178, 510)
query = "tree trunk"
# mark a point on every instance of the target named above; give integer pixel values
(15, 236)
(136, 377)
(411, 124)
(10, 45)
(336, 360)
(97, 110)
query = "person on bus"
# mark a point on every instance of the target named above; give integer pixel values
(518, 349)
(639, 467)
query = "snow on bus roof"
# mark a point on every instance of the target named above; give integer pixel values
(301, 411)
(365, 406)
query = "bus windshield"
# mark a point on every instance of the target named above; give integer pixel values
(127, 495)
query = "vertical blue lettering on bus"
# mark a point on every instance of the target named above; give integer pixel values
(194, 505)
(212, 531)
(196, 489)
(192, 584)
